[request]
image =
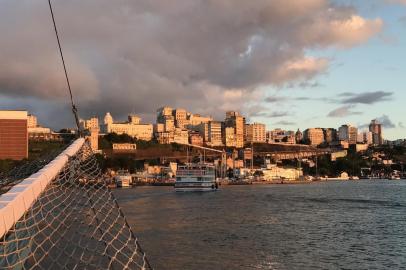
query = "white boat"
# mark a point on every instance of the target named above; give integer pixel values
(196, 177)
(123, 178)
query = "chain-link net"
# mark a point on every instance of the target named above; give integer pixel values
(75, 223)
(19, 173)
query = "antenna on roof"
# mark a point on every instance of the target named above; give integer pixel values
(74, 109)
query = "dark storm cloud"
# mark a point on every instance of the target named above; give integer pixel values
(367, 97)
(134, 56)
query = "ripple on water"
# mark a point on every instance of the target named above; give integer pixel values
(350, 225)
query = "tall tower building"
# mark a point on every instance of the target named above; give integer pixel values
(236, 121)
(376, 128)
(348, 133)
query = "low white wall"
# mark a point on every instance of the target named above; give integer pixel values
(18, 200)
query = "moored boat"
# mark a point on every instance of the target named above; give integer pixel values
(123, 178)
(196, 177)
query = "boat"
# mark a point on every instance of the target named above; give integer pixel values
(123, 178)
(196, 177)
(395, 175)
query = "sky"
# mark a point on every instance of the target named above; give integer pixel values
(289, 64)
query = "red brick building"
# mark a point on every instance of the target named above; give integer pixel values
(13, 135)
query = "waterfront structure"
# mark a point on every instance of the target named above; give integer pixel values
(314, 136)
(236, 121)
(376, 129)
(13, 135)
(132, 128)
(215, 135)
(255, 133)
(348, 133)
(274, 173)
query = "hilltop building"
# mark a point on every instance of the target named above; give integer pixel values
(132, 128)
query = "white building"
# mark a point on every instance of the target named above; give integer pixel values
(133, 129)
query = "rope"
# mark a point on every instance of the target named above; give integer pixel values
(74, 109)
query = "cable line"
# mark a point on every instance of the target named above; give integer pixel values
(74, 109)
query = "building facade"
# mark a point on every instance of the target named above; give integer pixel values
(215, 135)
(376, 129)
(236, 121)
(348, 133)
(13, 135)
(313, 136)
(255, 132)
(139, 131)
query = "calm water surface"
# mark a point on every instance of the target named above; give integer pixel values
(336, 225)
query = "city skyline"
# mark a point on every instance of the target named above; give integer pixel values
(347, 71)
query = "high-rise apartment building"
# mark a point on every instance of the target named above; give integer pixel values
(348, 133)
(236, 121)
(330, 135)
(376, 128)
(13, 135)
(255, 132)
(229, 137)
(215, 135)
(313, 136)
